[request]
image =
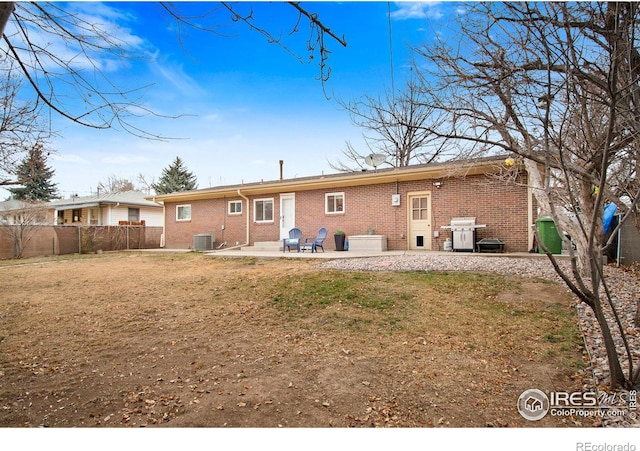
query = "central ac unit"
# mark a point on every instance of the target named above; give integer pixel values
(203, 242)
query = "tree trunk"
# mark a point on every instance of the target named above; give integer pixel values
(617, 378)
(6, 8)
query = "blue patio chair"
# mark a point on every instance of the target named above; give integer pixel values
(317, 242)
(295, 235)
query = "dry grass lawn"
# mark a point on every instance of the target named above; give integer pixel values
(177, 340)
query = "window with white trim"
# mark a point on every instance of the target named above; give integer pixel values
(334, 203)
(94, 216)
(235, 207)
(263, 210)
(183, 212)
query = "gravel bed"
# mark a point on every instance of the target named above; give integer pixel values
(624, 287)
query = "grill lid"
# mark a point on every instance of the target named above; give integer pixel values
(466, 223)
(463, 222)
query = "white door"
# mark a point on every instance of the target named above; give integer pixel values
(287, 214)
(419, 205)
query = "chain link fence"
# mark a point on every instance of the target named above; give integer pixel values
(59, 240)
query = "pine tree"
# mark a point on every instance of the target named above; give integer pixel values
(36, 178)
(175, 178)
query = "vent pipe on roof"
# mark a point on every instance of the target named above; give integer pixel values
(281, 163)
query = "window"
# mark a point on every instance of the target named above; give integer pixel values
(93, 216)
(75, 214)
(263, 210)
(134, 215)
(334, 203)
(419, 208)
(235, 207)
(183, 213)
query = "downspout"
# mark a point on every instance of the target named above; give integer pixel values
(164, 222)
(248, 223)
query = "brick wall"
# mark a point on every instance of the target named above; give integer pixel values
(501, 206)
(207, 216)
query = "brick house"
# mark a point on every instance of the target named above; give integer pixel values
(408, 205)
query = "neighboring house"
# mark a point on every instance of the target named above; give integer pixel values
(109, 209)
(408, 205)
(14, 212)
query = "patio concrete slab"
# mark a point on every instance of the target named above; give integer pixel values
(239, 253)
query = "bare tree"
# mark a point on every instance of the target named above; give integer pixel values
(397, 125)
(20, 127)
(555, 85)
(23, 224)
(145, 183)
(115, 184)
(32, 29)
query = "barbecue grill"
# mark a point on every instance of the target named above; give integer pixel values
(463, 233)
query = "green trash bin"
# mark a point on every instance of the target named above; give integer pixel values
(549, 235)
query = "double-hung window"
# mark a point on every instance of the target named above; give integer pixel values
(334, 203)
(183, 213)
(235, 207)
(263, 210)
(134, 215)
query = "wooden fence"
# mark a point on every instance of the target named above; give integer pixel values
(59, 240)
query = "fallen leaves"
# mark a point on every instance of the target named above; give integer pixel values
(130, 359)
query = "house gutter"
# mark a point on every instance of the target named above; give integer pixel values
(248, 223)
(338, 180)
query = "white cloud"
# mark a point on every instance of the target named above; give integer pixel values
(179, 79)
(212, 117)
(97, 23)
(69, 158)
(124, 159)
(417, 10)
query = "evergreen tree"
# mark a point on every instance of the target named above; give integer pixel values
(175, 178)
(35, 177)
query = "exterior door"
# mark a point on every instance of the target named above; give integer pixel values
(287, 214)
(419, 205)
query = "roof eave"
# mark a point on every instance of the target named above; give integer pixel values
(332, 181)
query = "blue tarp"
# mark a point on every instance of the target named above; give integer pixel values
(609, 212)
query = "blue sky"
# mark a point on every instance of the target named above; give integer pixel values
(246, 103)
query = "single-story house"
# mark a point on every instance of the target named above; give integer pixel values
(13, 211)
(410, 206)
(107, 209)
